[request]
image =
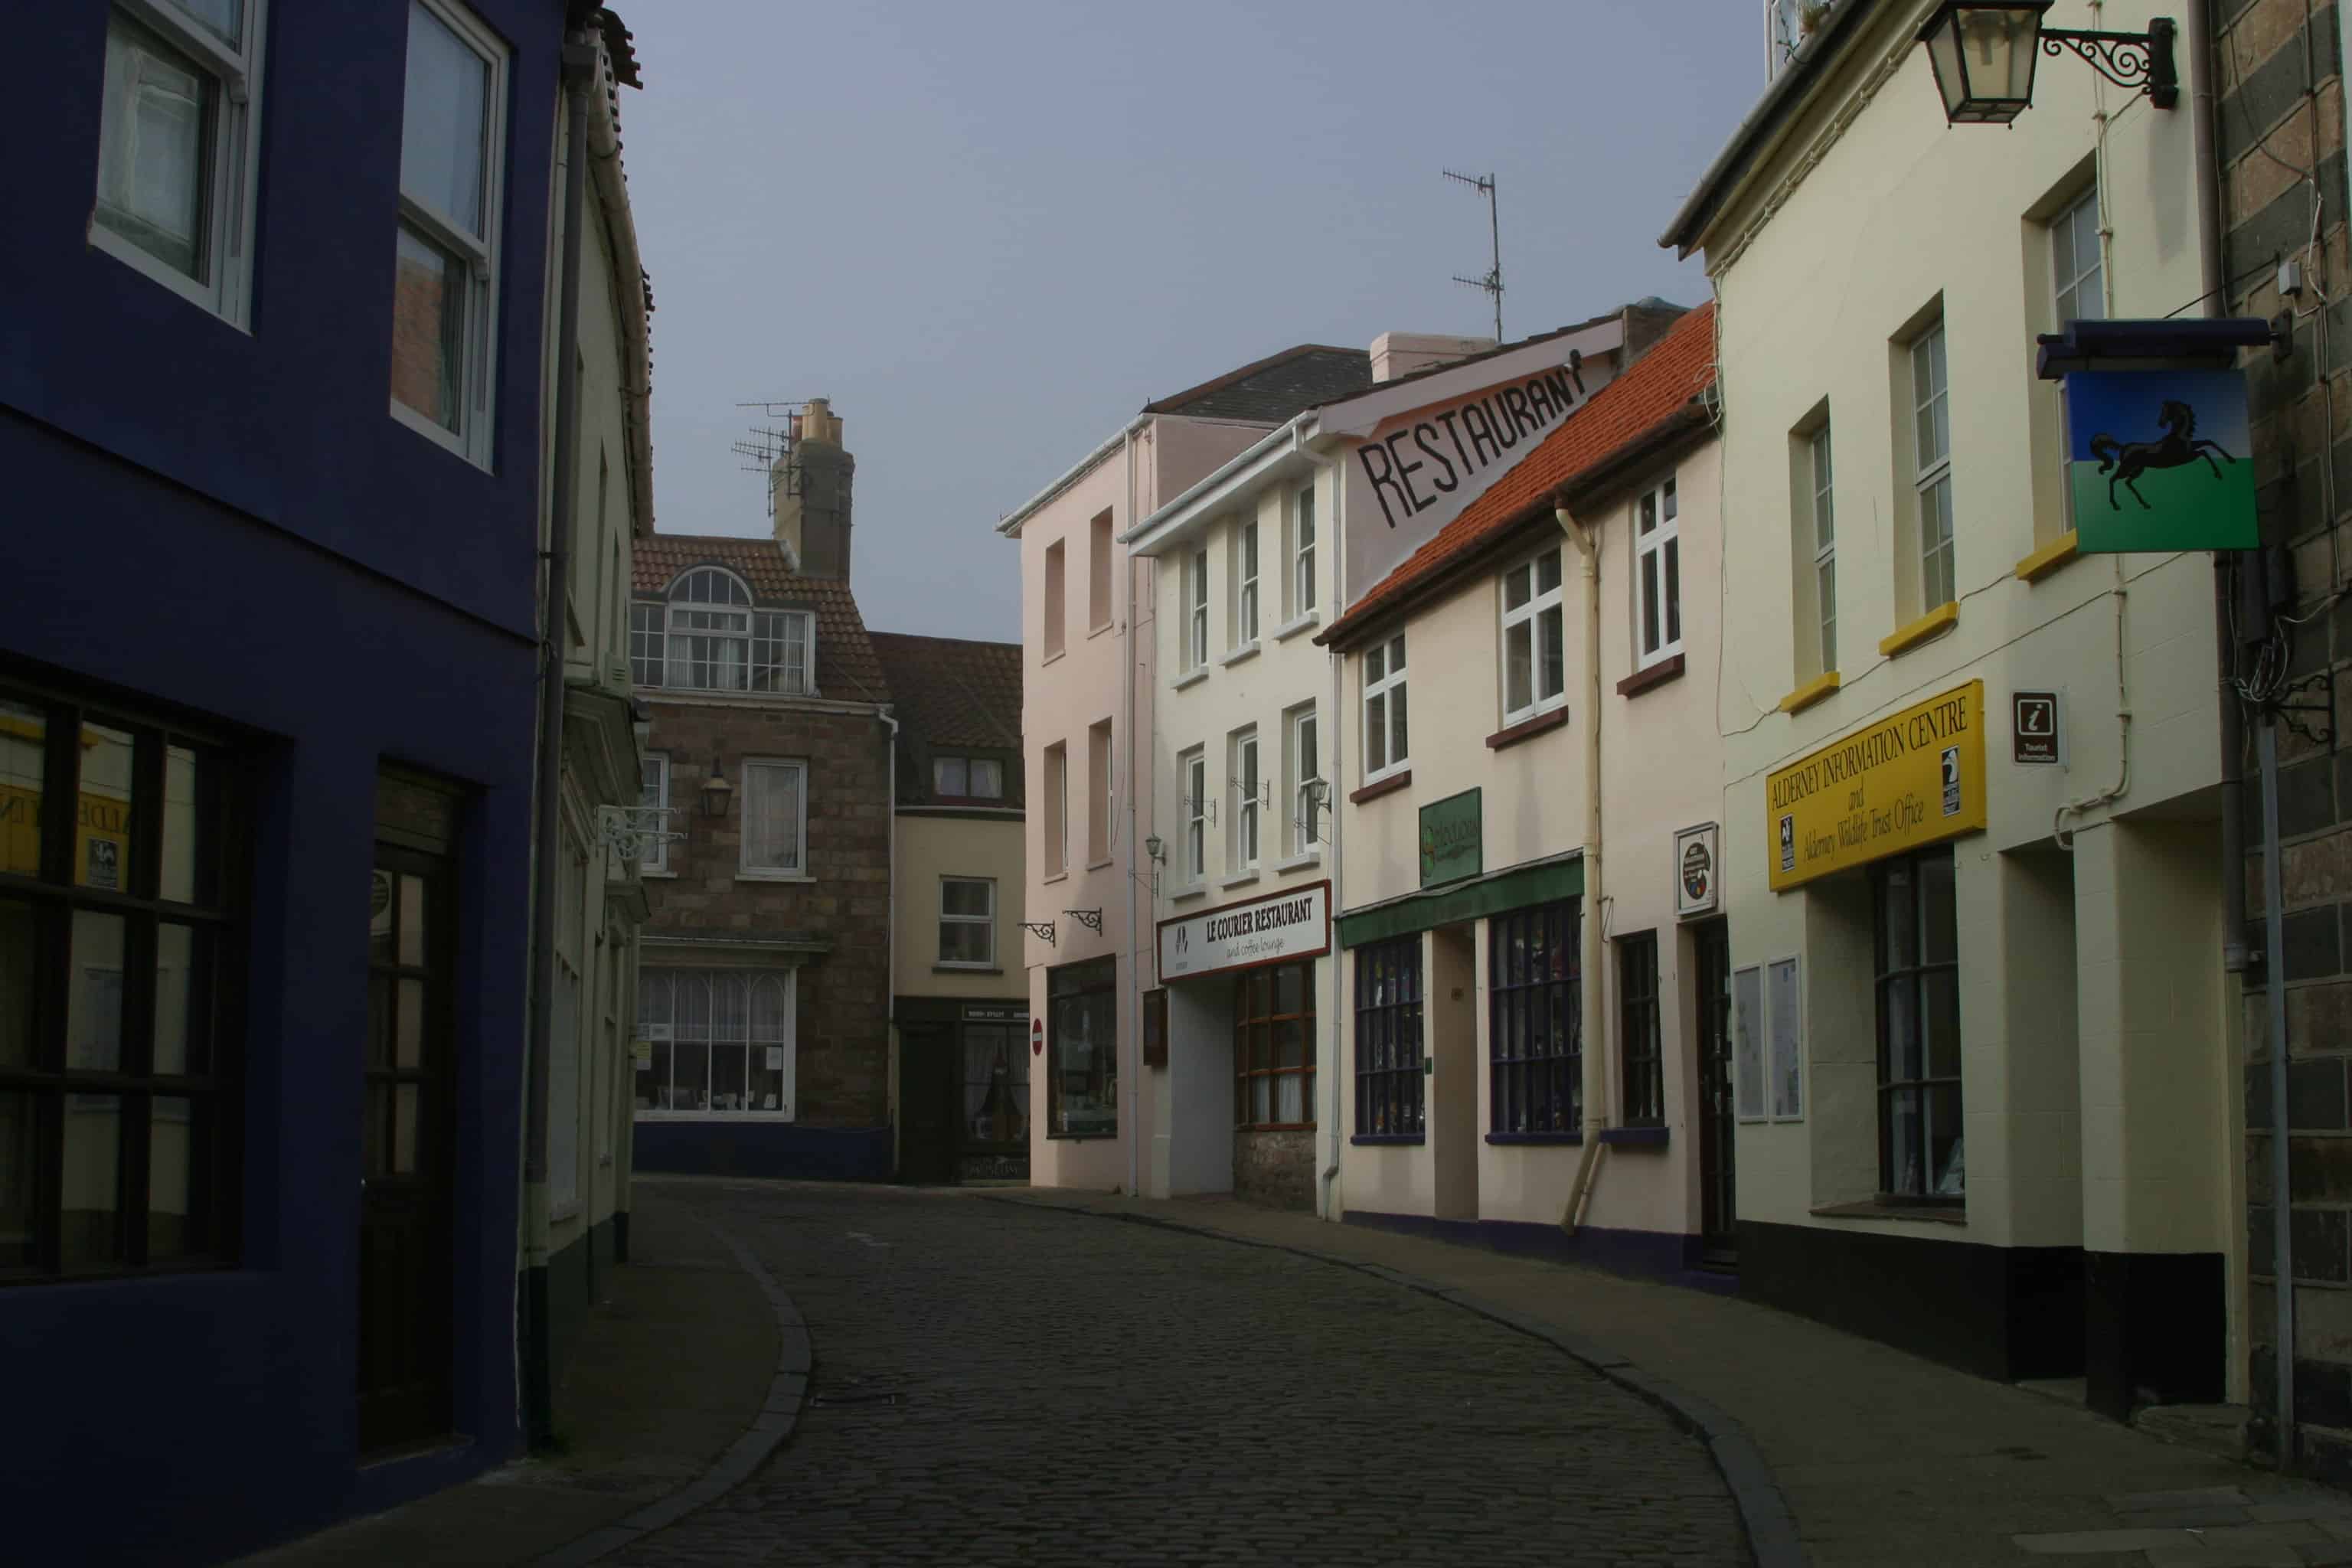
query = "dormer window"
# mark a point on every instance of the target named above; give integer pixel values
(705, 635)
(968, 778)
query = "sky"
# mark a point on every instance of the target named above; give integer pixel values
(991, 233)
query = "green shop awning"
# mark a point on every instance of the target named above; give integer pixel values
(1473, 899)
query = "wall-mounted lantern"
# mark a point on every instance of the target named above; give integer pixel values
(1983, 57)
(715, 791)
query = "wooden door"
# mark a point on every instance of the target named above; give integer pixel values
(407, 1164)
(927, 1094)
(1718, 1189)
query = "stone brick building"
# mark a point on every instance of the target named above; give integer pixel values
(2278, 131)
(762, 1043)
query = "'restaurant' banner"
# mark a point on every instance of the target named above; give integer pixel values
(1911, 779)
(1291, 924)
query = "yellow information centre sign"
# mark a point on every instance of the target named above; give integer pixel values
(1910, 779)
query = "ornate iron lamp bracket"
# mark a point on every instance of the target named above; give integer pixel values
(1090, 919)
(1041, 930)
(2137, 61)
(2320, 730)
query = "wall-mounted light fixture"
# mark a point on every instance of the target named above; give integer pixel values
(1983, 57)
(715, 791)
(1156, 848)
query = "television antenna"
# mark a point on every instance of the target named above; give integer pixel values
(766, 443)
(1490, 285)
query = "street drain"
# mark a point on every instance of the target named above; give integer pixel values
(854, 1399)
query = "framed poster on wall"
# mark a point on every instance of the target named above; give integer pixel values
(1788, 1042)
(1747, 1043)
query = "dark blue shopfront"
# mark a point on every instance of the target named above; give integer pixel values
(269, 417)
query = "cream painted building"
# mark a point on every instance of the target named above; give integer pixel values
(1087, 691)
(1518, 1061)
(1987, 1094)
(959, 995)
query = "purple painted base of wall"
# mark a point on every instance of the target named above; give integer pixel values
(1650, 1254)
(781, 1150)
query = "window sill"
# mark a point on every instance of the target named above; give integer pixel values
(1935, 623)
(557, 1213)
(1311, 857)
(2050, 557)
(1056, 656)
(658, 876)
(1925, 1214)
(1098, 864)
(1381, 786)
(1535, 1137)
(1527, 729)
(1242, 879)
(434, 432)
(1810, 692)
(1051, 878)
(1094, 632)
(1188, 895)
(1193, 677)
(1297, 624)
(1378, 1139)
(773, 877)
(1635, 1137)
(1667, 668)
(1248, 650)
(644, 1115)
(965, 969)
(1079, 1137)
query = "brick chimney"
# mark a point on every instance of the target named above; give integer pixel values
(811, 490)
(1402, 353)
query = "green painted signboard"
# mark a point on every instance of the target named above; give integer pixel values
(2159, 459)
(1452, 839)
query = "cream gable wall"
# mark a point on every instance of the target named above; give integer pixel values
(929, 848)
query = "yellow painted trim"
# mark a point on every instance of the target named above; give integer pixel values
(1942, 619)
(2049, 558)
(1810, 692)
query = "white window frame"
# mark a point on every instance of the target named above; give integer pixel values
(232, 183)
(650, 620)
(1820, 460)
(2095, 274)
(1247, 781)
(1302, 550)
(798, 872)
(1931, 413)
(1529, 613)
(987, 922)
(1391, 678)
(1657, 561)
(787, 978)
(473, 439)
(1193, 786)
(1057, 781)
(1245, 560)
(1303, 727)
(653, 860)
(1196, 610)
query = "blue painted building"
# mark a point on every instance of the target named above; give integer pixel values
(271, 305)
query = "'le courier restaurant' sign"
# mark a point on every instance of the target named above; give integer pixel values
(1912, 779)
(1294, 923)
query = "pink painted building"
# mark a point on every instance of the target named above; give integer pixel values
(1087, 678)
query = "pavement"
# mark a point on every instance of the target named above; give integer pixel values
(871, 1376)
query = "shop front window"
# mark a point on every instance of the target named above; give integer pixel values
(1274, 1046)
(718, 1041)
(1535, 1048)
(1389, 1098)
(1921, 1154)
(1082, 1048)
(995, 1085)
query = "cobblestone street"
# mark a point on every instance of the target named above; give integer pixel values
(999, 1384)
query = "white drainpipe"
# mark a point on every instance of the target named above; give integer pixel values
(1588, 545)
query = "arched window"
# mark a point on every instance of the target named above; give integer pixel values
(703, 635)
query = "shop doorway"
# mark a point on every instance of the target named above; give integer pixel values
(927, 1101)
(407, 1161)
(992, 1099)
(1717, 1127)
(1453, 1013)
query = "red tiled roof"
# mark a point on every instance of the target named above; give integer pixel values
(951, 692)
(1659, 386)
(847, 667)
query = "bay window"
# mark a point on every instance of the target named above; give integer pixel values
(723, 1041)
